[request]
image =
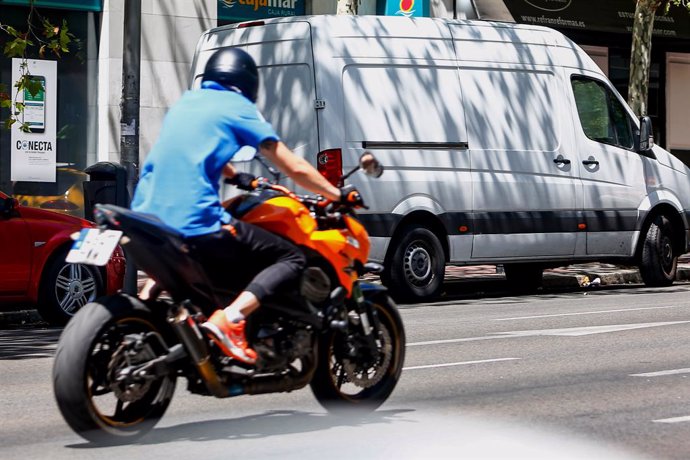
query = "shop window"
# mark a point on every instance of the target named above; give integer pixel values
(75, 128)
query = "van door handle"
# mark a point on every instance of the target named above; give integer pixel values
(590, 162)
(561, 161)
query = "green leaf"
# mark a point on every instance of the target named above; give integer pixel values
(33, 86)
(16, 47)
(24, 127)
(12, 31)
(49, 30)
(64, 37)
(6, 103)
(9, 122)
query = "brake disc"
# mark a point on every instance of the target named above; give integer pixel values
(370, 376)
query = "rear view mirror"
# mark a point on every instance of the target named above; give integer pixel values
(646, 141)
(370, 165)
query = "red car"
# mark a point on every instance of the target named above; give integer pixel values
(33, 246)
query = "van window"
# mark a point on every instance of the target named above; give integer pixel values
(601, 114)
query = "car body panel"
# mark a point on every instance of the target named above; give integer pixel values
(30, 238)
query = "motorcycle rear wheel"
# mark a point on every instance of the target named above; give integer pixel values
(340, 384)
(91, 352)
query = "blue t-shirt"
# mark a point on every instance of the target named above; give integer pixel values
(180, 179)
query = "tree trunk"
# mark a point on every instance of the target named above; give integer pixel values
(347, 6)
(640, 54)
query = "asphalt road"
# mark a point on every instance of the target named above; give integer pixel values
(580, 374)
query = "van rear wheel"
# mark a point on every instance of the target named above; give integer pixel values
(416, 267)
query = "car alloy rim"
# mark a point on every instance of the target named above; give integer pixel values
(417, 264)
(75, 287)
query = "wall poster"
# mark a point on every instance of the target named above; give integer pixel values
(33, 154)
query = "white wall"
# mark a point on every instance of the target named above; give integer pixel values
(169, 33)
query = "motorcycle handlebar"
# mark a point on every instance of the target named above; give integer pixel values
(317, 203)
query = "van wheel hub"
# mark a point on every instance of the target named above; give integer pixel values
(417, 264)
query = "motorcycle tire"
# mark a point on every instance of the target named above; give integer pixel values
(90, 350)
(340, 385)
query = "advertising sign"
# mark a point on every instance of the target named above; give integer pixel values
(608, 16)
(33, 154)
(78, 5)
(407, 8)
(245, 10)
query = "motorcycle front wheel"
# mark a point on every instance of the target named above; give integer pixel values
(363, 381)
(95, 374)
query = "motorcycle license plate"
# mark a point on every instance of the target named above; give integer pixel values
(93, 246)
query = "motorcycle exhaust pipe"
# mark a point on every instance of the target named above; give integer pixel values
(190, 335)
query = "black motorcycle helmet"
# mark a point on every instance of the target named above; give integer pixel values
(235, 70)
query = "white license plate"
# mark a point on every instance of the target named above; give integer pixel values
(93, 246)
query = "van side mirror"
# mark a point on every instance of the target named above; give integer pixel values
(646, 140)
(370, 165)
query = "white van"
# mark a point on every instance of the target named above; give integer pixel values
(503, 144)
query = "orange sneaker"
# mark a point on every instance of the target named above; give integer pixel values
(229, 337)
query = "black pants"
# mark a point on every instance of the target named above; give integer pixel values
(242, 256)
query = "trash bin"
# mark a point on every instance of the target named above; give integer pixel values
(107, 184)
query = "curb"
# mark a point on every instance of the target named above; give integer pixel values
(20, 318)
(621, 276)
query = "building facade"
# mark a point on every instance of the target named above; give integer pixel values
(89, 81)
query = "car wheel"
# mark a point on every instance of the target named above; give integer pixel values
(659, 260)
(416, 265)
(65, 288)
(524, 278)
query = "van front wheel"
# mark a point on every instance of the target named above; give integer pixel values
(659, 260)
(416, 267)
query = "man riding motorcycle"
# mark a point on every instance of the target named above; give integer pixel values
(180, 185)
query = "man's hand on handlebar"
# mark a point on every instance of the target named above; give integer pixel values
(243, 181)
(350, 196)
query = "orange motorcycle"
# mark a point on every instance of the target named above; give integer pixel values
(118, 359)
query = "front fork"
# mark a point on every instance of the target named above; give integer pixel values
(367, 317)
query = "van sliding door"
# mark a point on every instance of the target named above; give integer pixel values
(526, 191)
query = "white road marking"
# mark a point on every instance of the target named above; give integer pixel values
(661, 373)
(588, 330)
(685, 418)
(429, 366)
(438, 342)
(599, 312)
(565, 332)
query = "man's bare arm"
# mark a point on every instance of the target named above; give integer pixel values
(304, 174)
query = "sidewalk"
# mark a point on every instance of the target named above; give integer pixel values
(572, 276)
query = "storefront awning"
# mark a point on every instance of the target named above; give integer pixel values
(79, 5)
(607, 16)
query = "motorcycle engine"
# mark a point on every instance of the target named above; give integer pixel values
(315, 285)
(280, 344)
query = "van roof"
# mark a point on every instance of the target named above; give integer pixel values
(570, 54)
